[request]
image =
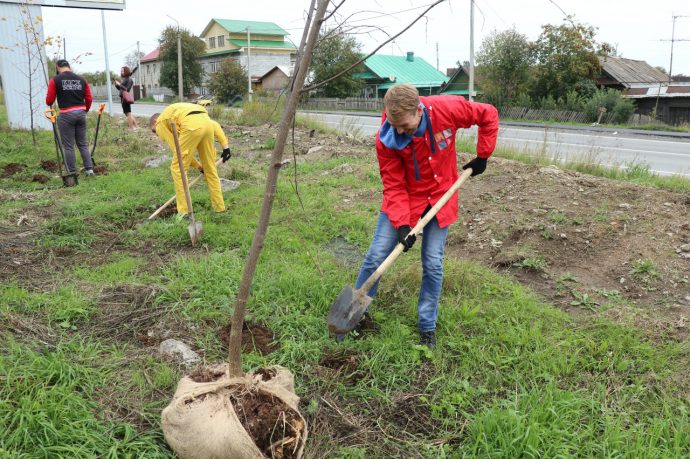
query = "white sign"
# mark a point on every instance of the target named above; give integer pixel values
(91, 4)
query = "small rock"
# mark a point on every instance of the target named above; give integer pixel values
(156, 162)
(622, 281)
(179, 350)
(229, 185)
(564, 236)
(668, 204)
(685, 248)
(552, 169)
(625, 205)
(313, 150)
(580, 190)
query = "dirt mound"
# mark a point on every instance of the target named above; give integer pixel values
(255, 337)
(40, 178)
(589, 244)
(50, 165)
(100, 170)
(11, 169)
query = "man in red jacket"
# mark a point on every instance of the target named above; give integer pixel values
(415, 146)
(74, 99)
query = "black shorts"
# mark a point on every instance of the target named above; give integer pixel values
(126, 108)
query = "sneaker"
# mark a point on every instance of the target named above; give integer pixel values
(90, 173)
(428, 339)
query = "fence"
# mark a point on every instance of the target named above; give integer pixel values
(351, 103)
(521, 113)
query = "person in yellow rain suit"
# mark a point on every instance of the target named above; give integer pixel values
(196, 131)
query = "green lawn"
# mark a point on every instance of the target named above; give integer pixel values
(512, 376)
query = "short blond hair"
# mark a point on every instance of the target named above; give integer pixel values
(153, 120)
(401, 100)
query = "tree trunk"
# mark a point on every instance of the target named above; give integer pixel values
(302, 65)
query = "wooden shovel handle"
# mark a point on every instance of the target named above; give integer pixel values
(178, 151)
(170, 201)
(417, 228)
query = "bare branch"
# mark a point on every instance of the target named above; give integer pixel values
(312, 87)
(333, 12)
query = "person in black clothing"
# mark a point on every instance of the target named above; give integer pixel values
(126, 85)
(74, 100)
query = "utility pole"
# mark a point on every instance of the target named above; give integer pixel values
(673, 39)
(249, 72)
(471, 88)
(107, 67)
(141, 72)
(436, 55)
(180, 91)
(64, 48)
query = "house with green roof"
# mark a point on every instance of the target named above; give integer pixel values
(258, 46)
(381, 72)
(459, 82)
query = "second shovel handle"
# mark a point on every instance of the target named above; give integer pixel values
(417, 228)
(183, 173)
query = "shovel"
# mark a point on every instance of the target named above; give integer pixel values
(98, 124)
(195, 229)
(170, 201)
(347, 310)
(68, 179)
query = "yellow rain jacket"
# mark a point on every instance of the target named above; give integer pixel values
(196, 131)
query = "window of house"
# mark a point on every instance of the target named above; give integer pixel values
(221, 41)
(214, 67)
(212, 42)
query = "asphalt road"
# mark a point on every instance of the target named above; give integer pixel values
(663, 155)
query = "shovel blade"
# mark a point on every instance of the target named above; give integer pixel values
(347, 310)
(195, 231)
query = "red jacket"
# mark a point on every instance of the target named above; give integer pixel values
(404, 197)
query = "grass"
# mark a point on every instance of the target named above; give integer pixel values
(512, 376)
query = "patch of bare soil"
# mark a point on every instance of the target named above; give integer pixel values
(40, 178)
(255, 337)
(100, 170)
(8, 170)
(49, 165)
(342, 365)
(591, 245)
(274, 426)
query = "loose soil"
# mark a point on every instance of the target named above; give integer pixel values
(256, 337)
(40, 178)
(275, 427)
(10, 169)
(49, 165)
(100, 170)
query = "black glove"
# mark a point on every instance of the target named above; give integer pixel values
(404, 239)
(226, 154)
(478, 166)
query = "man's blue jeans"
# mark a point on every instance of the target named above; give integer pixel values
(433, 246)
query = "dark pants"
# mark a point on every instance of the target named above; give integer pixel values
(72, 127)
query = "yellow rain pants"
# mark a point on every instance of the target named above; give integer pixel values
(196, 132)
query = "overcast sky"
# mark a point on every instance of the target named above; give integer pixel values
(636, 27)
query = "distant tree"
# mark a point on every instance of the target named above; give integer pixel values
(565, 54)
(503, 64)
(133, 58)
(607, 49)
(229, 80)
(192, 49)
(336, 51)
(661, 69)
(98, 77)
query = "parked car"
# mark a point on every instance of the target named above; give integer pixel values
(206, 100)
